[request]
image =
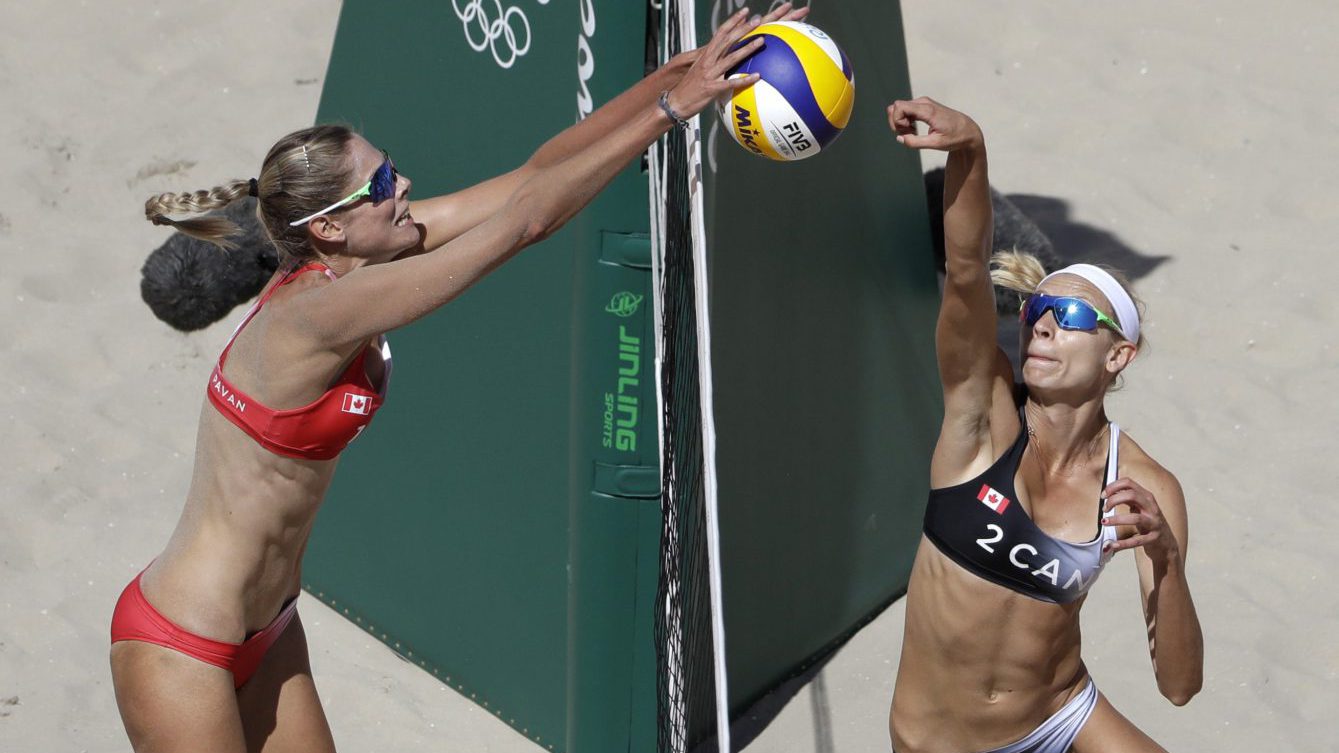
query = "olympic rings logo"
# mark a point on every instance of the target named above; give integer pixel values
(484, 31)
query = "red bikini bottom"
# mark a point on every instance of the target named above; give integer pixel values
(135, 619)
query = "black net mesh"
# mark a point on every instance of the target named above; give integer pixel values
(686, 690)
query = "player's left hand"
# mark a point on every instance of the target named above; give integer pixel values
(786, 12)
(1151, 529)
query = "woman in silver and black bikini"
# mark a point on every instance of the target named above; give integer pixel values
(1033, 490)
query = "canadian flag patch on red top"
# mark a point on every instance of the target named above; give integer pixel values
(992, 499)
(357, 404)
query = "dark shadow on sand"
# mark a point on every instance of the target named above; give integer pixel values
(745, 729)
(1075, 241)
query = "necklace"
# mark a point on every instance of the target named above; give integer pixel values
(1040, 454)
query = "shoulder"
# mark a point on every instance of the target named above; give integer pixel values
(297, 306)
(298, 286)
(1138, 465)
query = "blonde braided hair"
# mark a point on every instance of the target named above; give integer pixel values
(303, 172)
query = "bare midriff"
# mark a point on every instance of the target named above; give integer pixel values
(236, 554)
(981, 666)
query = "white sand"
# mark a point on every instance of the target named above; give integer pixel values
(1200, 132)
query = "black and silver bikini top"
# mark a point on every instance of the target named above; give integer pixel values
(979, 525)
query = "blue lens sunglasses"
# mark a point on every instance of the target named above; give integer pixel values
(1070, 313)
(380, 187)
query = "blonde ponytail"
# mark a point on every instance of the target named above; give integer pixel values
(212, 229)
(303, 172)
(1018, 272)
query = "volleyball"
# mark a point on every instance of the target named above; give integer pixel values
(803, 99)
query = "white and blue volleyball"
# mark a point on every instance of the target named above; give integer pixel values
(803, 99)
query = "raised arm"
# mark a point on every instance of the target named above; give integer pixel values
(377, 298)
(970, 365)
(450, 215)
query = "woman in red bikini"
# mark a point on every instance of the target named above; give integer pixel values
(208, 651)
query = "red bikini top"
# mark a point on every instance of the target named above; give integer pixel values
(319, 430)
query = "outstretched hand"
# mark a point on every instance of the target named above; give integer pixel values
(786, 12)
(783, 12)
(949, 130)
(705, 81)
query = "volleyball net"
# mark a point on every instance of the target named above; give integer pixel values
(692, 695)
(823, 319)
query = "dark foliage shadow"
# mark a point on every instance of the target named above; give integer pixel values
(190, 284)
(1075, 241)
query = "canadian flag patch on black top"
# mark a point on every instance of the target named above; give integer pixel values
(992, 499)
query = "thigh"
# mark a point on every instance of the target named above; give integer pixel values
(281, 712)
(1108, 731)
(170, 702)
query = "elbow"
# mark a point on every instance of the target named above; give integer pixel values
(1181, 693)
(535, 232)
(534, 221)
(1181, 675)
(1180, 699)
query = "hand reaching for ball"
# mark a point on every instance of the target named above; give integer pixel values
(949, 130)
(705, 81)
(783, 12)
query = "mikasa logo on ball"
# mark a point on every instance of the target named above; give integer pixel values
(744, 130)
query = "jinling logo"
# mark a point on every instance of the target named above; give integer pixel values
(485, 28)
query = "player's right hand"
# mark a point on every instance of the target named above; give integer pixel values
(949, 130)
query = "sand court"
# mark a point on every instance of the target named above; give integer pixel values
(1194, 145)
